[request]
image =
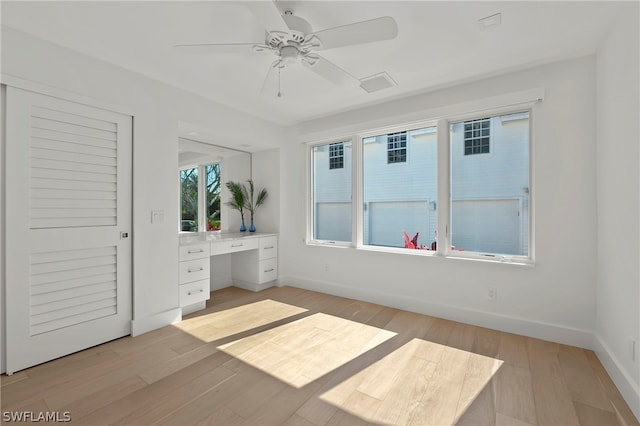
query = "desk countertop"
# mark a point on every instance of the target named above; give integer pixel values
(190, 238)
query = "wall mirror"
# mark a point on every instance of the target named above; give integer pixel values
(204, 170)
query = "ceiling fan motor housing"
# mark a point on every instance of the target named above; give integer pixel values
(298, 29)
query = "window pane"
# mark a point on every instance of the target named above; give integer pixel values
(213, 197)
(189, 200)
(332, 192)
(400, 188)
(490, 193)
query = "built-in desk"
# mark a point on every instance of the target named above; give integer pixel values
(254, 263)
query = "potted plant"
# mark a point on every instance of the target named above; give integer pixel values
(244, 199)
(252, 205)
(238, 200)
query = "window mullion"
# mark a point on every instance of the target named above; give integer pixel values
(357, 209)
(202, 196)
(444, 188)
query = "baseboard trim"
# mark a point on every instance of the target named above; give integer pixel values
(525, 327)
(624, 382)
(252, 286)
(150, 323)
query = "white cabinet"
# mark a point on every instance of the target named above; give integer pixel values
(254, 265)
(194, 277)
(256, 268)
(233, 246)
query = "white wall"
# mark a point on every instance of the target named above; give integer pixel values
(555, 299)
(618, 193)
(266, 174)
(157, 109)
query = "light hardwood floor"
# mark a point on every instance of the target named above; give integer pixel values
(295, 357)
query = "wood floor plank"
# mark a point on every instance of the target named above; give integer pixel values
(513, 350)
(593, 416)
(297, 420)
(406, 392)
(168, 403)
(503, 420)
(553, 402)
(477, 398)
(222, 416)
(481, 410)
(514, 393)
(81, 407)
(486, 342)
(114, 412)
(296, 357)
(613, 394)
(202, 407)
(462, 336)
(439, 402)
(281, 405)
(583, 384)
(7, 380)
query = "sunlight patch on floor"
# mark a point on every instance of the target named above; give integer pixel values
(218, 325)
(304, 350)
(421, 383)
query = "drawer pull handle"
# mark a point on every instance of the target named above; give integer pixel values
(237, 245)
(195, 270)
(267, 248)
(195, 251)
(191, 292)
(270, 270)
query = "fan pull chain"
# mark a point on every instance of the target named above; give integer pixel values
(279, 69)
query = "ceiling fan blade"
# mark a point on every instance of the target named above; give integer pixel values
(330, 71)
(217, 48)
(268, 14)
(378, 29)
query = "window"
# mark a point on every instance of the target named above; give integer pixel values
(397, 147)
(490, 194)
(189, 200)
(331, 193)
(336, 156)
(200, 213)
(399, 200)
(213, 197)
(486, 198)
(476, 136)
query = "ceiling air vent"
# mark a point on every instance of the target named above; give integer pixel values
(377, 82)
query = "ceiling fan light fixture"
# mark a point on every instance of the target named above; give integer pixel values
(289, 55)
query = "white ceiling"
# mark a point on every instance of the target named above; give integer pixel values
(438, 44)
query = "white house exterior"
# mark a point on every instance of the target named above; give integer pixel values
(489, 187)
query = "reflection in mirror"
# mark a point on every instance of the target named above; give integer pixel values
(204, 169)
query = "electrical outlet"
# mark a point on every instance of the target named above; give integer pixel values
(492, 293)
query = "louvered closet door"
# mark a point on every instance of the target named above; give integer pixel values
(68, 199)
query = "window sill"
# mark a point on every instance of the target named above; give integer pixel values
(474, 257)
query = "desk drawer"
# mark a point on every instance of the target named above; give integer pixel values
(234, 246)
(268, 270)
(194, 270)
(268, 247)
(194, 292)
(196, 251)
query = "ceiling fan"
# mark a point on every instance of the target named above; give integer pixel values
(292, 40)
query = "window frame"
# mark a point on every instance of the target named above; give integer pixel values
(442, 121)
(202, 197)
(310, 234)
